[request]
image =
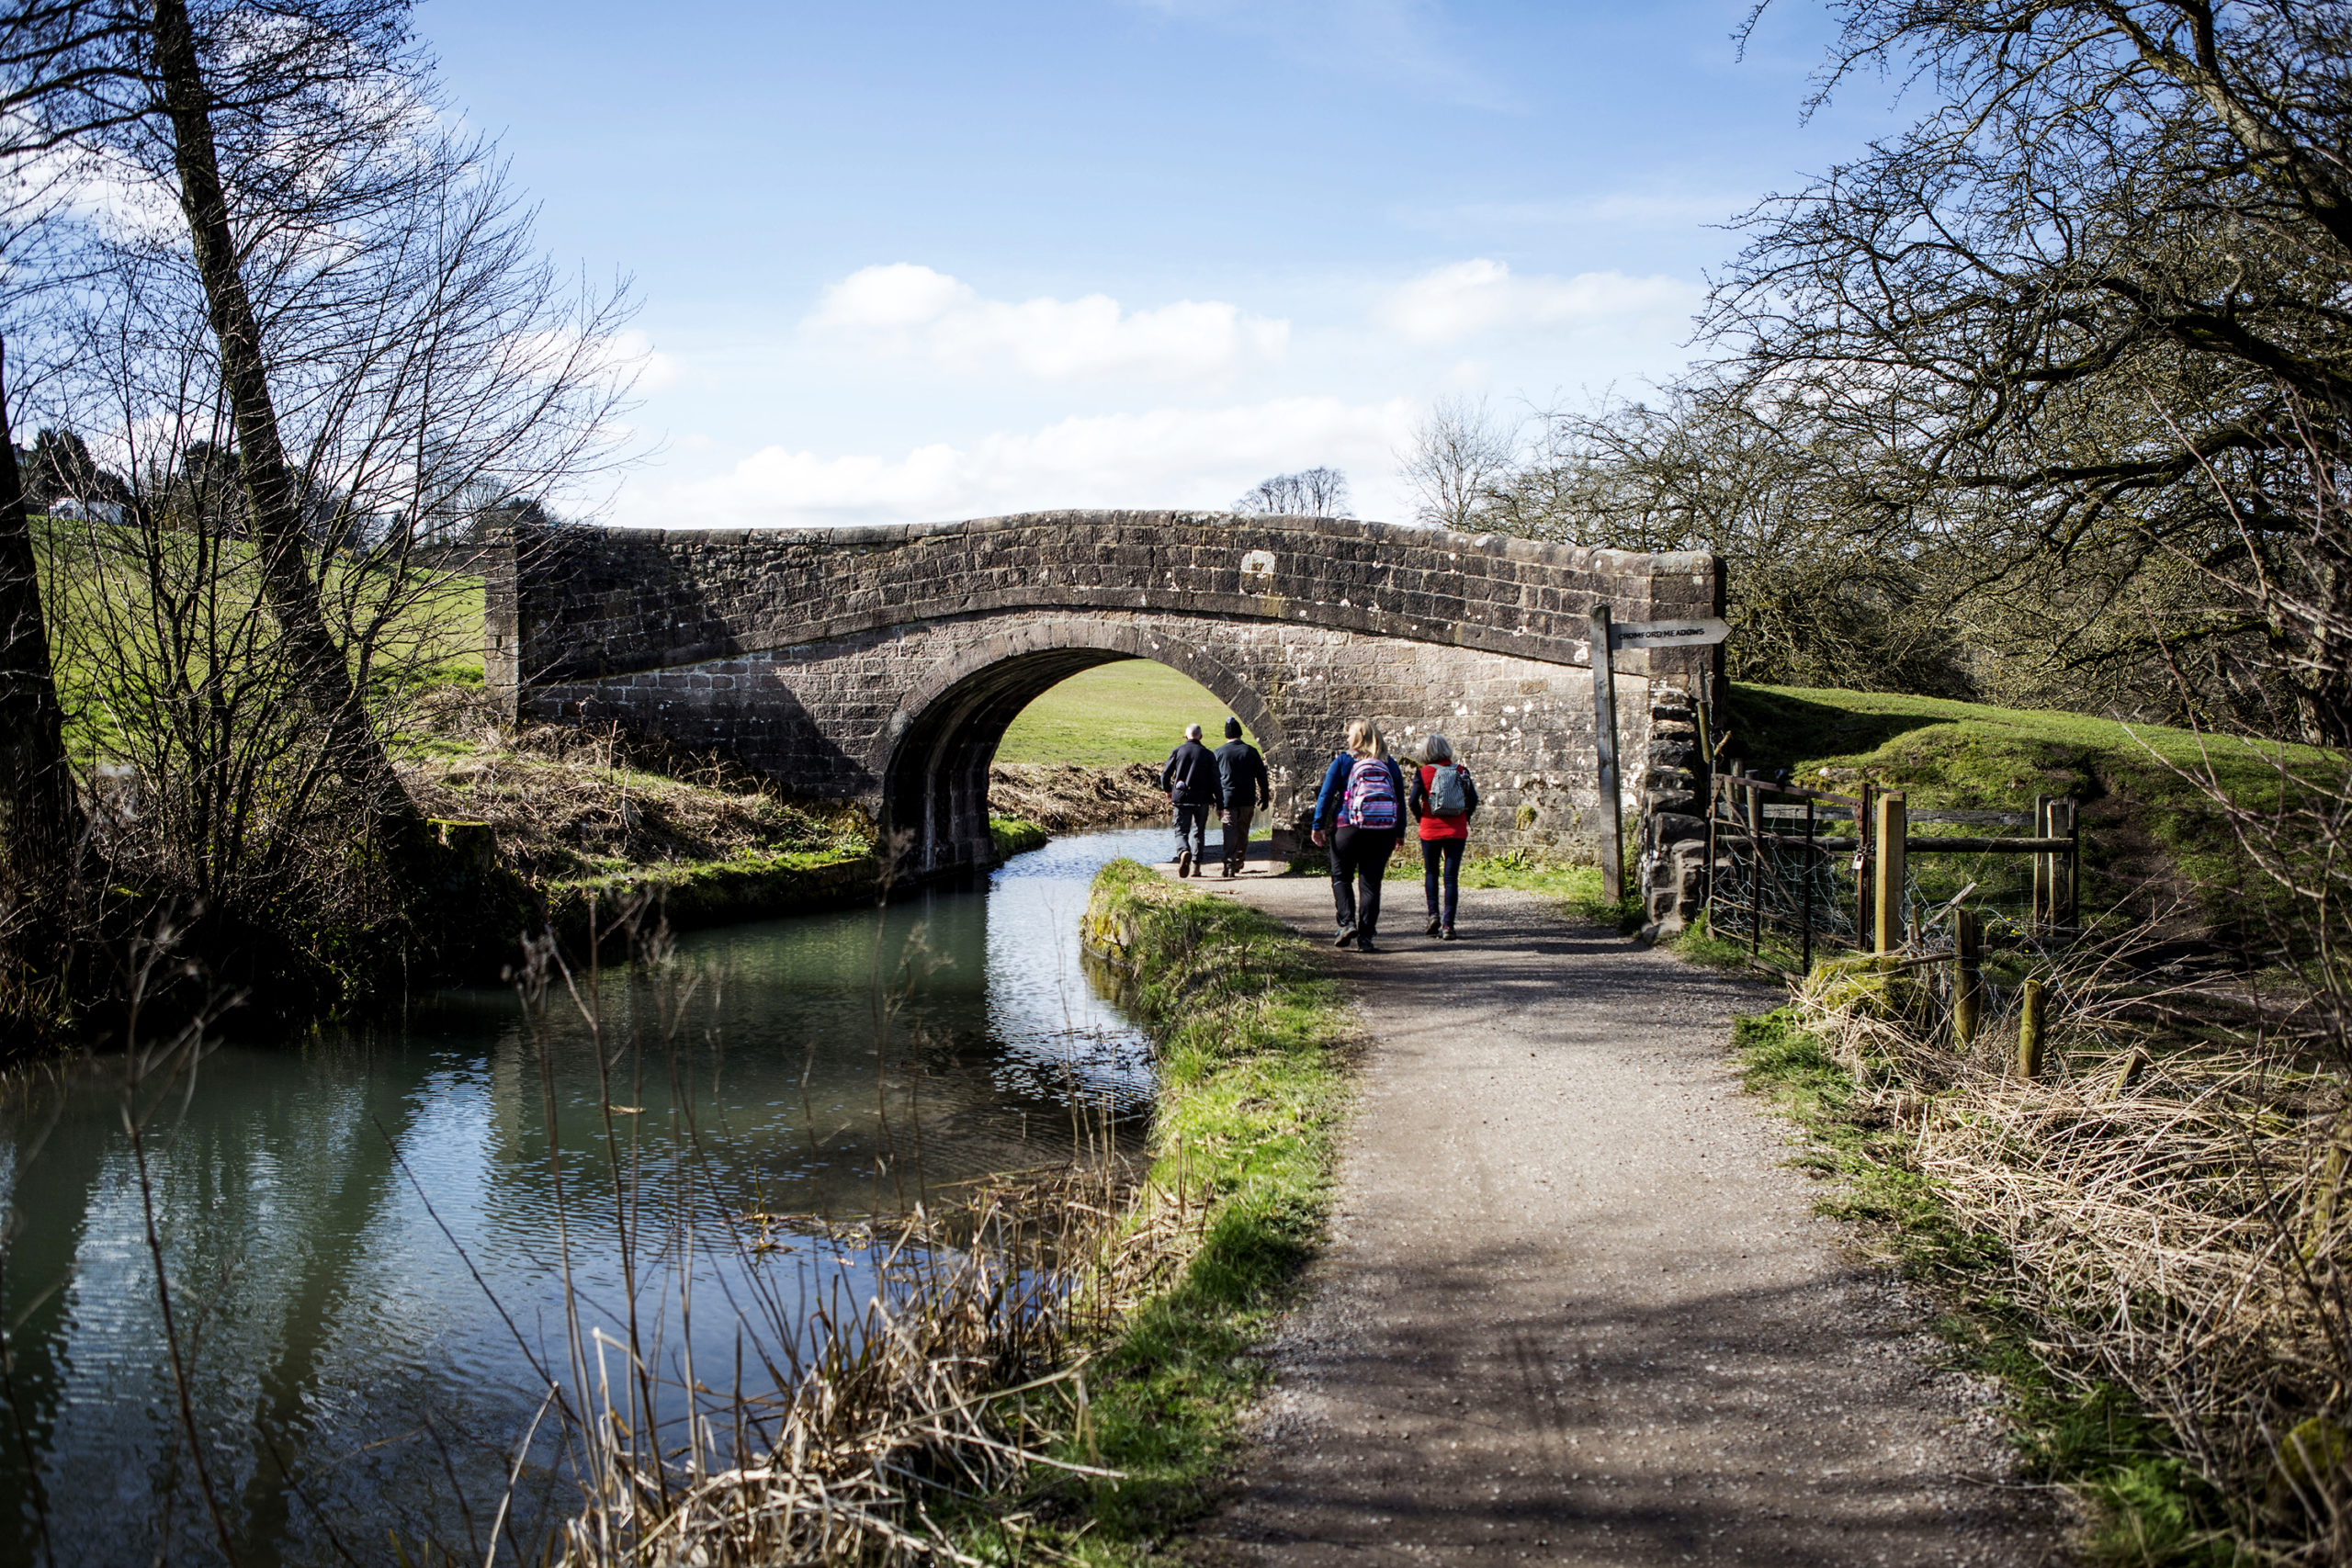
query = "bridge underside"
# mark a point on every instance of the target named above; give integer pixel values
(936, 783)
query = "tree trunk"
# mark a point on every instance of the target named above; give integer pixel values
(323, 676)
(40, 821)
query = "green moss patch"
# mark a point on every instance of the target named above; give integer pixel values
(691, 894)
(1013, 836)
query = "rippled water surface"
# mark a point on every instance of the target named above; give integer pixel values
(367, 1237)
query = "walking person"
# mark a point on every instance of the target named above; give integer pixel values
(1189, 779)
(1359, 812)
(1444, 797)
(1241, 779)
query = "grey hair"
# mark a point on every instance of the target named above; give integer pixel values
(1436, 749)
(1191, 732)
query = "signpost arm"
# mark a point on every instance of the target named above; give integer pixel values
(1604, 740)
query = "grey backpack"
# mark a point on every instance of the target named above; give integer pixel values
(1447, 798)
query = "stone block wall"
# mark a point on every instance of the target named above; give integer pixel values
(833, 717)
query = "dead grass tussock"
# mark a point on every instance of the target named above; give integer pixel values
(2169, 1212)
(570, 802)
(963, 1376)
(1069, 797)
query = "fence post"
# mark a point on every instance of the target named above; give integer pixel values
(2066, 822)
(1715, 801)
(1864, 860)
(1804, 914)
(2029, 1030)
(1604, 740)
(1968, 985)
(1886, 883)
(1754, 872)
(2040, 919)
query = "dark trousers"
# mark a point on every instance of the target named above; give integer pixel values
(1192, 830)
(1443, 855)
(1359, 860)
(1236, 835)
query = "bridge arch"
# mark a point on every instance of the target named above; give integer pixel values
(945, 733)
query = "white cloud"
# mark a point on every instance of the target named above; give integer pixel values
(1469, 297)
(908, 309)
(1167, 457)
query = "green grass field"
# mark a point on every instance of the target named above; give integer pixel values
(1131, 711)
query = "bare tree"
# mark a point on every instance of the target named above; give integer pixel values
(40, 821)
(1825, 586)
(1460, 453)
(326, 329)
(295, 141)
(1310, 492)
(41, 825)
(2090, 308)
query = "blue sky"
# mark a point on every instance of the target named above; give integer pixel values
(924, 261)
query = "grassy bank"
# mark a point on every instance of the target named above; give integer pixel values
(2143, 1244)
(2094, 1439)
(595, 818)
(1250, 1032)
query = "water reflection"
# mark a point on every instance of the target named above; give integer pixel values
(368, 1237)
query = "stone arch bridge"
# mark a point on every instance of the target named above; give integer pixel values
(883, 664)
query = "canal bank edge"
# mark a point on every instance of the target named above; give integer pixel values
(691, 894)
(1252, 1039)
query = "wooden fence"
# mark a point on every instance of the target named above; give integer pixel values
(1816, 870)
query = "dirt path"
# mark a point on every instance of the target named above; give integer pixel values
(1576, 1308)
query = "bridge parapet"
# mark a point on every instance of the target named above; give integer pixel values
(583, 603)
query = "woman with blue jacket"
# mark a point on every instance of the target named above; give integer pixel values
(1360, 813)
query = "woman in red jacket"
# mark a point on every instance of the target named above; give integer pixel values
(1443, 798)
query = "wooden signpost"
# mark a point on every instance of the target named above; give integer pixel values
(1604, 743)
(1606, 639)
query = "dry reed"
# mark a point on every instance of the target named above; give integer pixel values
(2169, 1210)
(948, 1386)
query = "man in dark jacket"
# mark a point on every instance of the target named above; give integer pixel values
(1241, 779)
(1189, 779)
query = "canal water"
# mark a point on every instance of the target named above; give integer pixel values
(367, 1237)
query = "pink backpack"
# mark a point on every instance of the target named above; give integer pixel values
(1370, 799)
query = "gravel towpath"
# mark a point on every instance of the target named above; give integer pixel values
(1577, 1307)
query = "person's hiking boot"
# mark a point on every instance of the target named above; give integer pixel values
(1183, 862)
(1363, 944)
(1435, 925)
(1447, 933)
(1345, 938)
